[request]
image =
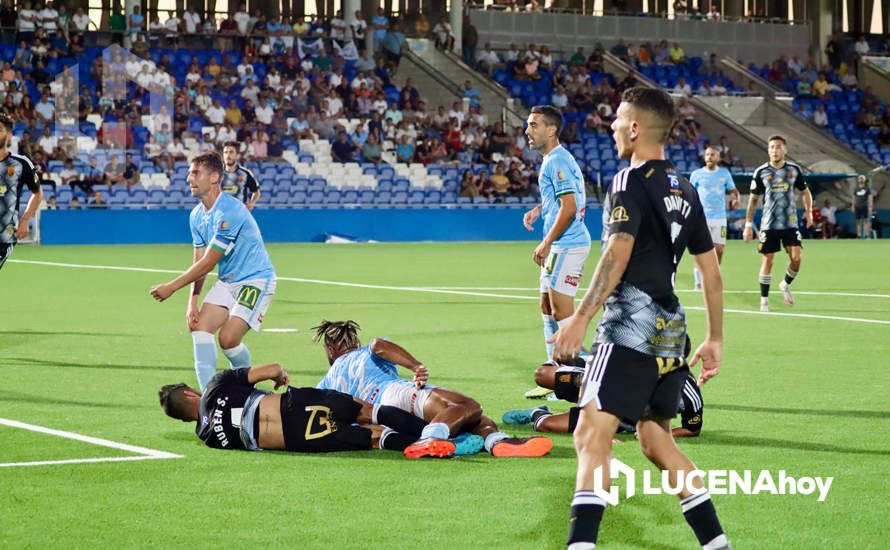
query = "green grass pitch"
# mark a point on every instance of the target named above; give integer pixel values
(85, 350)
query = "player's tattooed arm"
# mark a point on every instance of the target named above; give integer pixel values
(608, 273)
(752, 206)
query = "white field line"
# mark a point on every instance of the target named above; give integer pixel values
(684, 291)
(142, 452)
(284, 330)
(431, 290)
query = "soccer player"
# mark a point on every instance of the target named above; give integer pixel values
(566, 243)
(777, 180)
(713, 182)
(238, 179)
(232, 414)
(223, 233)
(863, 203)
(651, 216)
(369, 373)
(566, 381)
(16, 171)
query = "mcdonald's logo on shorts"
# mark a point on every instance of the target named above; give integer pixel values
(248, 296)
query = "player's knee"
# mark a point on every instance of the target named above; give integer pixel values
(544, 376)
(228, 341)
(472, 410)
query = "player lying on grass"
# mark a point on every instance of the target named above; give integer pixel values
(233, 414)
(565, 380)
(369, 373)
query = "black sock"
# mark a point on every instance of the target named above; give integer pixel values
(399, 420)
(394, 441)
(790, 274)
(702, 517)
(587, 511)
(574, 413)
(765, 281)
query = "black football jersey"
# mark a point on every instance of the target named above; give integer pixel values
(223, 400)
(16, 171)
(239, 182)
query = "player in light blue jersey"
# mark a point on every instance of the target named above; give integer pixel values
(224, 234)
(566, 243)
(713, 182)
(370, 373)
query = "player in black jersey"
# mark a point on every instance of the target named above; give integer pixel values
(238, 180)
(233, 414)
(651, 216)
(776, 180)
(16, 171)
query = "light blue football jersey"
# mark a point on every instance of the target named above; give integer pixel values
(229, 228)
(712, 188)
(361, 374)
(561, 175)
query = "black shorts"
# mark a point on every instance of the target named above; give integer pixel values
(319, 421)
(629, 385)
(770, 240)
(568, 382)
(861, 213)
(5, 252)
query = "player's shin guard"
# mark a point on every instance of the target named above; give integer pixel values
(790, 274)
(584, 524)
(702, 517)
(765, 281)
(239, 356)
(399, 420)
(205, 356)
(550, 328)
(392, 440)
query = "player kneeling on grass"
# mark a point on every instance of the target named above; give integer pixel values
(369, 373)
(233, 414)
(565, 380)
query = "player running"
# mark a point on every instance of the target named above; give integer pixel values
(16, 171)
(566, 243)
(223, 233)
(713, 182)
(237, 179)
(777, 180)
(651, 216)
(369, 373)
(232, 414)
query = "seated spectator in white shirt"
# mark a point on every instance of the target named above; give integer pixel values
(820, 117)
(683, 88)
(215, 114)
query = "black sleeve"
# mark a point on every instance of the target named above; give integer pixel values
(757, 187)
(29, 177)
(626, 211)
(699, 236)
(233, 377)
(800, 183)
(693, 406)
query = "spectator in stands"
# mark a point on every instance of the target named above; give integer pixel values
(835, 50)
(570, 133)
(380, 24)
(405, 150)
(717, 87)
(393, 46)
(44, 111)
(469, 185)
(260, 145)
(136, 22)
(726, 155)
(830, 228)
(883, 136)
(469, 42)
(359, 29)
(342, 150)
(676, 54)
(683, 88)
(27, 23)
(172, 27)
(74, 204)
(500, 183)
(713, 14)
(48, 143)
(487, 60)
(620, 51)
(438, 151)
(371, 151)
(215, 114)
(470, 92)
(483, 183)
(861, 46)
(275, 148)
(176, 150)
(131, 171)
(444, 35)
(545, 59)
(849, 80)
(97, 201)
(804, 88)
(70, 177)
(519, 182)
(820, 117)
(820, 87)
(114, 172)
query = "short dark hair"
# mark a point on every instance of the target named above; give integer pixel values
(655, 102)
(6, 120)
(551, 115)
(212, 161)
(174, 402)
(232, 144)
(777, 137)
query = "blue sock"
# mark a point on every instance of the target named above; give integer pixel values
(436, 430)
(550, 328)
(493, 439)
(239, 356)
(205, 356)
(696, 274)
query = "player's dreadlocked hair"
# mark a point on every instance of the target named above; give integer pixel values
(174, 402)
(341, 335)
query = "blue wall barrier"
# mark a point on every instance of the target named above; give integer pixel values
(303, 225)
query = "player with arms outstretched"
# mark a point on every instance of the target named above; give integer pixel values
(566, 243)
(776, 180)
(225, 234)
(16, 172)
(651, 216)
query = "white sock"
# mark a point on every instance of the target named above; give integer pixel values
(696, 274)
(239, 356)
(435, 430)
(493, 439)
(550, 328)
(205, 356)
(581, 546)
(720, 541)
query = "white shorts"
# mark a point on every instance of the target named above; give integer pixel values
(563, 270)
(248, 300)
(718, 231)
(404, 395)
